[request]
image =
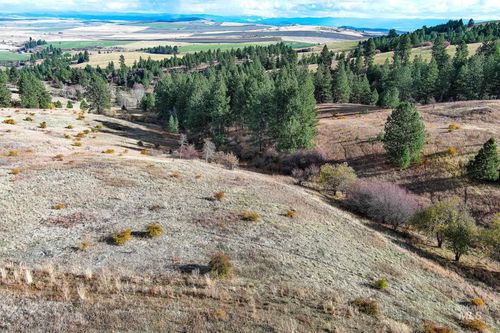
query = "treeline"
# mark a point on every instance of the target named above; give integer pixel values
(32, 43)
(162, 49)
(277, 108)
(442, 79)
(454, 32)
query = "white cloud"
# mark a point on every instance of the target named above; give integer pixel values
(479, 9)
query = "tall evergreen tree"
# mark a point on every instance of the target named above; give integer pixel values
(323, 85)
(341, 87)
(404, 135)
(486, 163)
(98, 95)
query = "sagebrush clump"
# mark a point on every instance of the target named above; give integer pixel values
(9, 121)
(220, 265)
(219, 196)
(381, 284)
(154, 230)
(250, 216)
(435, 328)
(337, 177)
(476, 325)
(367, 306)
(122, 237)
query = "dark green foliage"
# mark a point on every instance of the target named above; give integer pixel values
(341, 87)
(486, 163)
(390, 98)
(404, 135)
(148, 102)
(5, 95)
(162, 49)
(69, 105)
(33, 92)
(98, 94)
(173, 124)
(323, 85)
(58, 104)
(460, 235)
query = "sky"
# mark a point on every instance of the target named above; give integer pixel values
(478, 9)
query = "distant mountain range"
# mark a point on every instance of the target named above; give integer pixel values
(367, 24)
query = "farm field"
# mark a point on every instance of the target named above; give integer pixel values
(82, 44)
(104, 58)
(59, 271)
(12, 56)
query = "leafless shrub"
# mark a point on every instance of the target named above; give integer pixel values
(208, 149)
(188, 152)
(229, 160)
(303, 159)
(383, 201)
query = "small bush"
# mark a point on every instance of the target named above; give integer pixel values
(478, 301)
(58, 104)
(80, 135)
(12, 153)
(83, 246)
(154, 230)
(98, 127)
(58, 157)
(77, 144)
(9, 121)
(303, 159)
(220, 265)
(81, 117)
(291, 213)
(146, 152)
(122, 237)
(434, 328)
(307, 174)
(188, 152)
(219, 196)
(337, 177)
(228, 160)
(67, 136)
(453, 127)
(140, 143)
(59, 206)
(382, 201)
(381, 284)
(108, 151)
(15, 171)
(452, 151)
(43, 124)
(476, 325)
(367, 306)
(250, 216)
(28, 119)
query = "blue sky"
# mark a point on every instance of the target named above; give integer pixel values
(479, 9)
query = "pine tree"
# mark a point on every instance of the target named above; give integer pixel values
(404, 135)
(439, 51)
(5, 95)
(325, 57)
(486, 163)
(370, 52)
(402, 53)
(323, 85)
(260, 107)
(294, 123)
(98, 94)
(148, 102)
(341, 87)
(390, 98)
(218, 110)
(173, 124)
(33, 92)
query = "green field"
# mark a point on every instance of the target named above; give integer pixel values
(80, 44)
(11, 56)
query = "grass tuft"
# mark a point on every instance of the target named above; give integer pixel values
(291, 213)
(28, 119)
(367, 306)
(219, 196)
(15, 171)
(43, 124)
(122, 237)
(434, 328)
(146, 152)
(478, 301)
(59, 206)
(381, 284)
(476, 325)
(108, 151)
(9, 121)
(154, 230)
(250, 216)
(12, 153)
(220, 265)
(69, 126)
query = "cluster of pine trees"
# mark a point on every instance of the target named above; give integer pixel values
(444, 78)
(278, 105)
(162, 49)
(454, 31)
(32, 43)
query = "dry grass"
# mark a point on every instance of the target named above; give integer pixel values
(219, 196)
(291, 213)
(250, 216)
(59, 206)
(9, 121)
(367, 306)
(476, 325)
(12, 153)
(108, 151)
(435, 328)
(122, 237)
(15, 171)
(43, 124)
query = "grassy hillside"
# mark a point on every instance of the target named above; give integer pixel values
(313, 272)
